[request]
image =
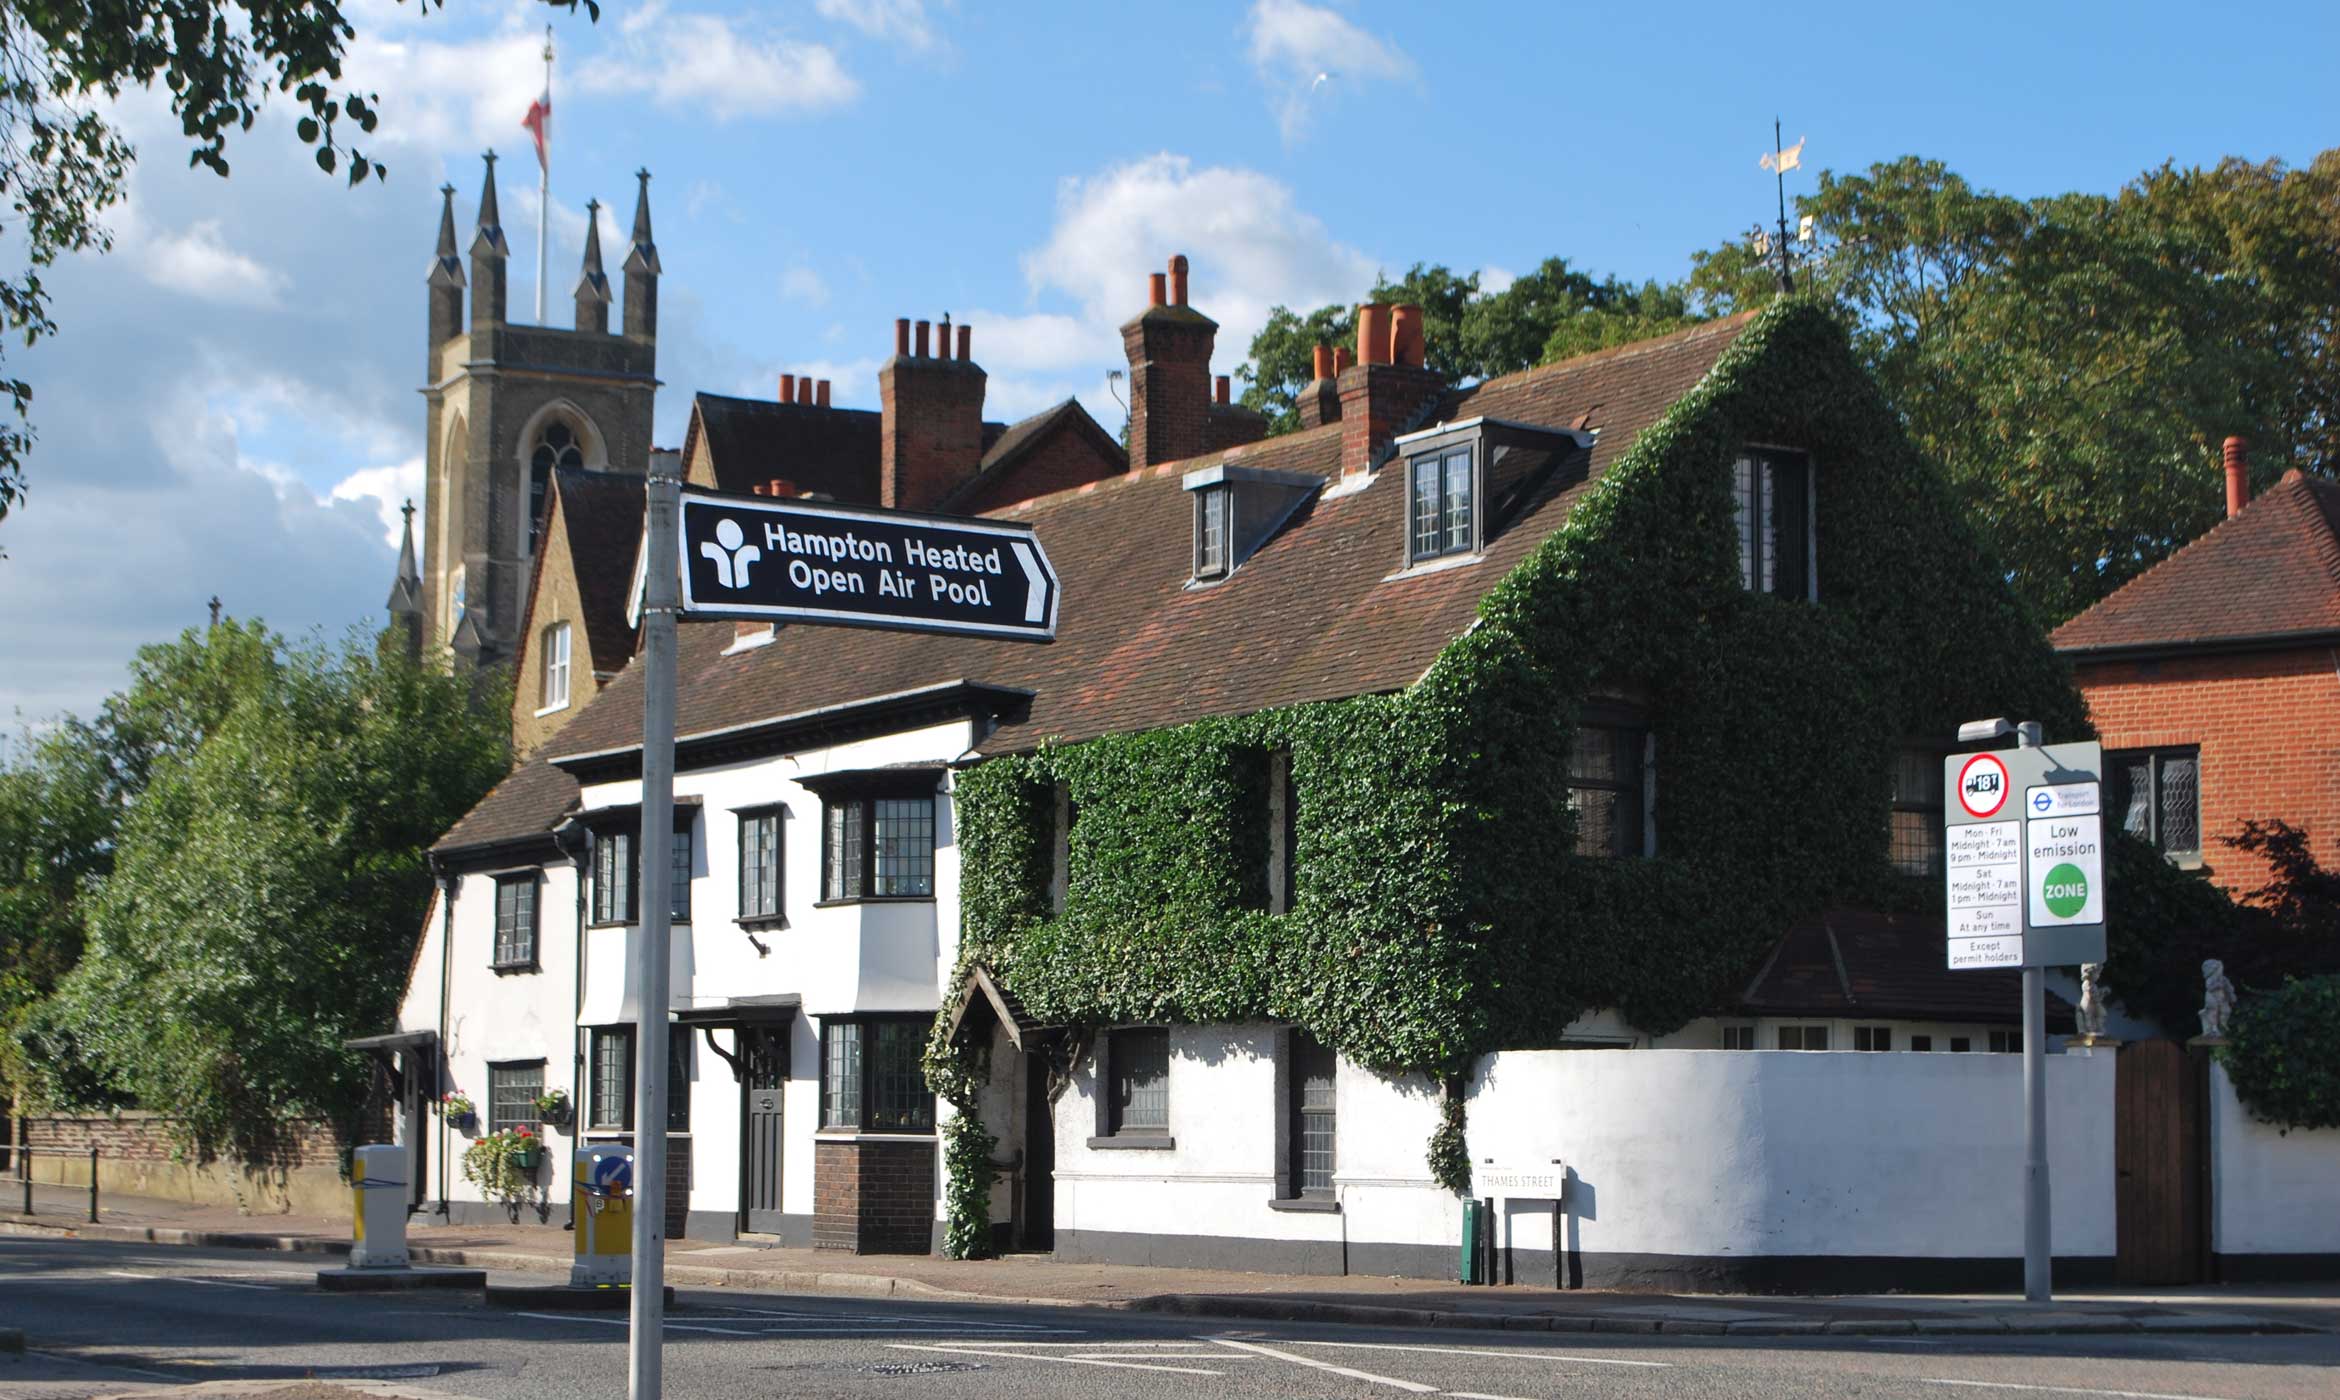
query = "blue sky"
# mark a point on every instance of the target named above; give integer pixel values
(231, 408)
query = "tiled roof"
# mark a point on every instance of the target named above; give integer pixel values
(2272, 569)
(1320, 612)
(1850, 963)
(528, 802)
(1002, 452)
(601, 513)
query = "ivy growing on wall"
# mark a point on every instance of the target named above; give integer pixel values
(1439, 912)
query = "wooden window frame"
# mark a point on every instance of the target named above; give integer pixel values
(2117, 761)
(553, 644)
(502, 957)
(1299, 1048)
(1214, 509)
(1871, 1039)
(1637, 786)
(678, 1079)
(1926, 801)
(861, 888)
(1751, 468)
(853, 1111)
(526, 1115)
(1436, 459)
(749, 819)
(1113, 1125)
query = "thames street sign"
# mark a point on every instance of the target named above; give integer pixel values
(781, 560)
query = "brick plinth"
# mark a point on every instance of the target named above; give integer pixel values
(872, 1196)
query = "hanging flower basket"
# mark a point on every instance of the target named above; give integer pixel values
(553, 1107)
(456, 1108)
(527, 1149)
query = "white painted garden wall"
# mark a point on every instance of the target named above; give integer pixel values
(1677, 1157)
(2271, 1193)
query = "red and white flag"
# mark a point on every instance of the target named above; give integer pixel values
(539, 124)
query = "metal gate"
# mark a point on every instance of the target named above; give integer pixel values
(765, 1077)
(2161, 1221)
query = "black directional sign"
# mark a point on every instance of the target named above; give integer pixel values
(759, 558)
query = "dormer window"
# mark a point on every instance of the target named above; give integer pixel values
(1443, 513)
(1237, 510)
(1211, 531)
(1771, 494)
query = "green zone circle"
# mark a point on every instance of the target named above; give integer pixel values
(2065, 891)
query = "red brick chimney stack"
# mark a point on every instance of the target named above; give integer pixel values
(931, 406)
(1389, 388)
(1320, 398)
(2238, 475)
(1169, 348)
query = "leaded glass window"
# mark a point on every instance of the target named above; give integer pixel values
(1605, 789)
(879, 847)
(512, 1091)
(1140, 1068)
(1314, 1106)
(759, 865)
(1210, 531)
(516, 920)
(2157, 796)
(1916, 820)
(556, 448)
(1771, 506)
(872, 1078)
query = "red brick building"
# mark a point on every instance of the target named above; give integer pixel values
(2214, 679)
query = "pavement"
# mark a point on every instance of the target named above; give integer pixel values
(1041, 1281)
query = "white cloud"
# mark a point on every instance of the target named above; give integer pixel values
(1250, 245)
(387, 488)
(197, 262)
(703, 64)
(893, 21)
(1494, 281)
(801, 283)
(1309, 56)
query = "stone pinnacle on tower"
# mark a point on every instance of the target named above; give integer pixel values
(642, 270)
(489, 255)
(593, 283)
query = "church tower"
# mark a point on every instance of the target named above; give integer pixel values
(506, 405)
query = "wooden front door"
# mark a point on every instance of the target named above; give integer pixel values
(2160, 1220)
(1036, 1212)
(764, 1077)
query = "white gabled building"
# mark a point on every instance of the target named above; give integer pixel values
(818, 871)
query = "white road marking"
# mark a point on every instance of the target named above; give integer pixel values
(628, 1322)
(104, 1365)
(1482, 1351)
(206, 1282)
(2071, 1390)
(1415, 1387)
(1475, 1395)
(1059, 1360)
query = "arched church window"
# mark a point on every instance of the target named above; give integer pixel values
(556, 446)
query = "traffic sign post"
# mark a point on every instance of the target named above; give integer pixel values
(708, 555)
(2023, 847)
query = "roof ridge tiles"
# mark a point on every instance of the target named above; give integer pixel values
(1619, 352)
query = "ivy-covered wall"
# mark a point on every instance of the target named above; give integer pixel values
(1438, 911)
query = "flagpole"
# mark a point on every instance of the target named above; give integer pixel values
(1779, 173)
(544, 173)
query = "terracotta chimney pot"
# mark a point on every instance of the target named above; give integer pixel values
(1342, 359)
(2238, 475)
(922, 335)
(1322, 362)
(788, 388)
(1405, 335)
(901, 335)
(821, 393)
(1157, 293)
(966, 342)
(1224, 386)
(1373, 334)
(1178, 279)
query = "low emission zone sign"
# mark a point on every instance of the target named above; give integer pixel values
(754, 558)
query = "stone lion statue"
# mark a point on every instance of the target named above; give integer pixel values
(2092, 1009)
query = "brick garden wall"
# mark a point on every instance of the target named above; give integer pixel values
(137, 1157)
(2268, 726)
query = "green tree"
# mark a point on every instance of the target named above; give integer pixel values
(63, 163)
(266, 881)
(57, 823)
(1283, 356)
(2074, 361)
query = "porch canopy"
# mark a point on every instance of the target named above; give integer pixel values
(402, 1054)
(774, 1011)
(983, 1003)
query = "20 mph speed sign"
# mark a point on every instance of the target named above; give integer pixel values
(1983, 786)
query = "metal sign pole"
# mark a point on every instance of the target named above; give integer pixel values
(654, 859)
(2036, 1285)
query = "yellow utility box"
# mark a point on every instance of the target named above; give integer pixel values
(601, 1213)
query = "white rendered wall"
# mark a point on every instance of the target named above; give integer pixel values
(2271, 1192)
(1695, 1153)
